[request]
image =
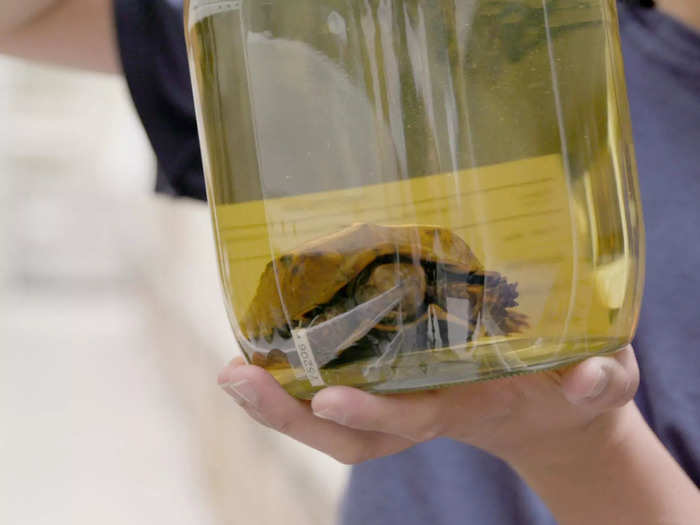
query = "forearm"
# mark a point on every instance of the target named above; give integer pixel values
(14, 15)
(619, 474)
(76, 33)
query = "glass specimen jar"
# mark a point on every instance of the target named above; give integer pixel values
(409, 194)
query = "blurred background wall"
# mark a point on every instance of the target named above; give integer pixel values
(112, 331)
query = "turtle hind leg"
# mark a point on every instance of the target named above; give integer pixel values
(493, 296)
(507, 320)
(499, 300)
(499, 290)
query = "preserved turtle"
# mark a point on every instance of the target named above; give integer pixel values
(317, 285)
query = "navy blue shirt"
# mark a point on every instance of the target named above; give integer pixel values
(444, 482)
(154, 58)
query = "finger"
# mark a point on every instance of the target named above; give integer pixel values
(602, 383)
(267, 402)
(416, 417)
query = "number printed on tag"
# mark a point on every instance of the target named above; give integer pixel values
(308, 360)
(201, 9)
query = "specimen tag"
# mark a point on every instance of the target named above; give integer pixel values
(201, 9)
(307, 358)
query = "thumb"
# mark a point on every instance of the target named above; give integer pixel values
(602, 383)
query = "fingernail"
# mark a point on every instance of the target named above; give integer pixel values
(331, 414)
(243, 393)
(601, 381)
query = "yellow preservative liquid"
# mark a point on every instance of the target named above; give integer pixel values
(504, 122)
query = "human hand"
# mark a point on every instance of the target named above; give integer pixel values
(520, 419)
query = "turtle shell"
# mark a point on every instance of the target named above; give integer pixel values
(299, 281)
